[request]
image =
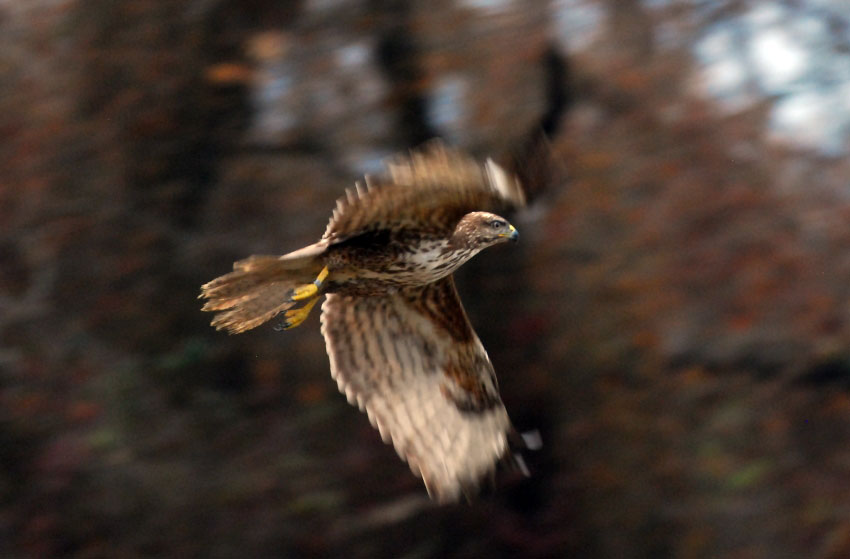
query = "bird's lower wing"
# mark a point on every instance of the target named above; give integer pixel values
(413, 364)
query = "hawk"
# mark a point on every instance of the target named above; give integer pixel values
(401, 347)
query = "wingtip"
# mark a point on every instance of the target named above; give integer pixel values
(506, 185)
(532, 439)
(528, 440)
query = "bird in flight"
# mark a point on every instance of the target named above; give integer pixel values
(401, 347)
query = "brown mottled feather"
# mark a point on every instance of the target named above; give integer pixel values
(256, 290)
(441, 304)
(432, 188)
(427, 386)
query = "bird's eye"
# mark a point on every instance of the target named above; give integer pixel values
(496, 224)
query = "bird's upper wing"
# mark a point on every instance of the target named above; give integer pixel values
(412, 362)
(432, 188)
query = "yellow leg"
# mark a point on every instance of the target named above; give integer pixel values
(310, 290)
(295, 317)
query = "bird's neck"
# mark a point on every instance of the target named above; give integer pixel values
(461, 238)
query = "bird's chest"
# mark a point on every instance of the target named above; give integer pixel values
(396, 264)
(426, 262)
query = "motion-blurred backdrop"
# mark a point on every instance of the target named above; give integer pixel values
(675, 320)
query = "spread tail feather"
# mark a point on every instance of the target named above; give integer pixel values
(257, 289)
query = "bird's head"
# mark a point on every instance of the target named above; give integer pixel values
(480, 230)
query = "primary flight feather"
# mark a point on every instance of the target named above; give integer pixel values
(401, 347)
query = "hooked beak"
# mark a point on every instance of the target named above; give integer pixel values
(511, 234)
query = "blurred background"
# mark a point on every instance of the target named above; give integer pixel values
(675, 321)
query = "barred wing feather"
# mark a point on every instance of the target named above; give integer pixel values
(412, 362)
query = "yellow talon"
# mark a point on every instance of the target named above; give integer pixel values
(303, 292)
(310, 290)
(295, 317)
